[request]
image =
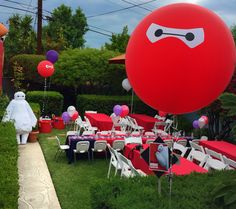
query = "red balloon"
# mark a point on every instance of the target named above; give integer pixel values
(175, 61)
(45, 68)
(162, 114)
(75, 116)
(205, 118)
(124, 110)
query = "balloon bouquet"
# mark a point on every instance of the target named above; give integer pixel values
(46, 69)
(121, 110)
(200, 123)
(70, 115)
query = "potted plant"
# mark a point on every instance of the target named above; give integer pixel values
(33, 135)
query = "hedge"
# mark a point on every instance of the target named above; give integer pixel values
(8, 166)
(4, 100)
(51, 103)
(105, 104)
(195, 191)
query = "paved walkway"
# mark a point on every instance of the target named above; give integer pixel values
(36, 187)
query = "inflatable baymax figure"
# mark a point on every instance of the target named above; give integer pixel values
(20, 112)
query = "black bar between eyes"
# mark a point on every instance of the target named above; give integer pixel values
(174, 34)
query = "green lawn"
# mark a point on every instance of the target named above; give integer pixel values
(72, 182)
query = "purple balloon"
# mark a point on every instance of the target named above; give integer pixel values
(65, 117)
(195, 124)
(117, 109)
(52, 56)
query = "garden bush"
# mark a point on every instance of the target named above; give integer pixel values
(51, 103)
(4, 100)
(105, 104)
(88, 71)
(8, 166)
(28, 63)
(195, 191)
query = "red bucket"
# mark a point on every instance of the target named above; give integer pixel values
(58, 123)
(45, 126)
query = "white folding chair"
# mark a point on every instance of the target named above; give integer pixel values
(197, 153)
(133, 140)
(100, 146)
(90, 111)
(88, 133)
(135, 133)
(61, 148)
(89, 126)
(118, 145)
(113, 161)
(134, 125)
(231, 164)
(196, 141)
(180, 148)
(182, 142)
(169, 143)
(168, 124)
(127, 168)
(149, 134)
(214, 154)
(81, 147)
(214, 164)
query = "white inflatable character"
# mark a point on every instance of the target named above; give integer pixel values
(20, 112)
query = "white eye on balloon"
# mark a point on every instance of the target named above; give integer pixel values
(191, 37)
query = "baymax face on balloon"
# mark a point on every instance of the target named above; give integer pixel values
(180, 58)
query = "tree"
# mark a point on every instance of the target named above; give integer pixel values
(233, 30)
(21, 38)
(119, 41)
(65, 30)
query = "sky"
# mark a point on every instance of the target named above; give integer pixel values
(114, 21)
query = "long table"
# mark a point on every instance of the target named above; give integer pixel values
(185, 166)
(72, 141)
(147, 122)
(225, 148)
(100, 120)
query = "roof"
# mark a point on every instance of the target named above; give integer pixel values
(118, 60)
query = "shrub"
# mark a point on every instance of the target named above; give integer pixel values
(4, 100)
(88, 71)
(36, 109)
(50, 103)
(8, 166)
(192, 191)
(28, 63)
(105, 104)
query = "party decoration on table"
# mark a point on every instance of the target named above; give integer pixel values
(170, 58)
(124, 111)
(71, 110)
(117, 109)
(162, 114)
(202, 121)
(126, 85)
(195, 124)
(20, 113)
(65, 117)
(75, 116)
(52, 56)
(45, 68)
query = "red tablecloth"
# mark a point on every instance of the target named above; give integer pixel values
(225, 148)
(100, 120)
(147, 122)
(184, 168)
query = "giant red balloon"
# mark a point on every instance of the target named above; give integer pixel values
(180, 58)
(45, 68)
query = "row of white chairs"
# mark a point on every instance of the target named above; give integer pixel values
(209, 159)
(122, 164)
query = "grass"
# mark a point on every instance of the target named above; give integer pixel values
(72, 181)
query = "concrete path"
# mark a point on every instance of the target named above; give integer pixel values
(36, 187)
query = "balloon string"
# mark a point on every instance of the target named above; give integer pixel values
(44, 95)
